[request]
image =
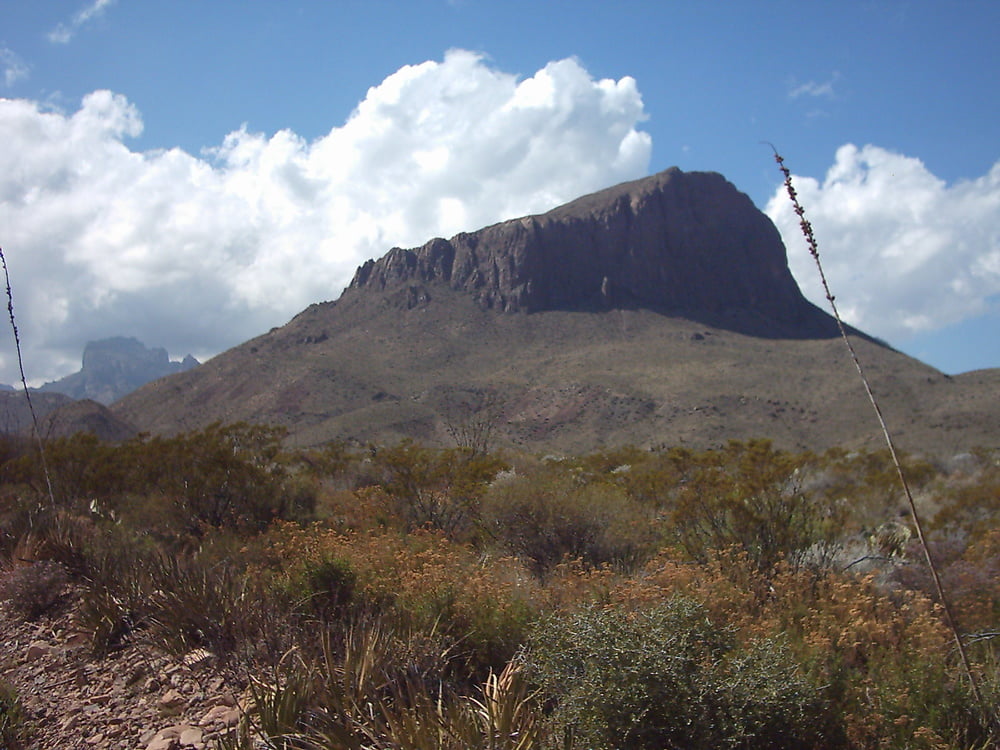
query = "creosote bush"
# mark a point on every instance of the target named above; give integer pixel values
(546, 518)
(749, 495)
(439, 489)
(232, 476)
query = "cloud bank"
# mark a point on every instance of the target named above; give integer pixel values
(199, 253)
(903, 251)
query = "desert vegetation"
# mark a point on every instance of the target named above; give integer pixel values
(408, 596)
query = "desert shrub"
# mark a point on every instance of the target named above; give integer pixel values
(231, 476)
(551, 516)
(423, 580)
(440, 489)
(867, 482)
(970, 508)
(335, 461)
(18, 515)
(116, 599)
(370, 689)
(60, 537)
(653, 479)
(969, 569)
(13, 721)
(361, 510)
(609, 464)
(882, 655)
(199, 603)
(323, 587)
(80, 469)
(748, 496)
(496, 606)
(34, 589)
(667, 676)
(12, 446)
(471, 417)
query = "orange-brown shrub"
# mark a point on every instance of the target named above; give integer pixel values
(423, 577)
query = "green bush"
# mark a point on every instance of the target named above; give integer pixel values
(13, 726)
(439, 489)
(549, 517)
(231, 476)
(81, 468)
(665, 677)
(749, 496)
(324, 588)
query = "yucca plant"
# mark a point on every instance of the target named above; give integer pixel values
(116, 600)
(280, 705)
(506, 717)
(198, 604)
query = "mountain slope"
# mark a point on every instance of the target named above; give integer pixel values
(655, 312)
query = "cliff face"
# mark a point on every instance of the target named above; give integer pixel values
(679, 243)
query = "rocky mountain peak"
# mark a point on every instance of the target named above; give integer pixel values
(686, 243)
(116, 366)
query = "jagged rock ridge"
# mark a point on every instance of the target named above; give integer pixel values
(116, 366)
(680, 243)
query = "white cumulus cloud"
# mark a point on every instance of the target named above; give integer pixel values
(199, 253)
(903, 251)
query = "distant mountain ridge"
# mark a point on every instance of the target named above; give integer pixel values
(111, 368)
(116, 366)
(656, 312)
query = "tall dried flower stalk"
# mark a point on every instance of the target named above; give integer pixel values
(24, 381)
(807, 232)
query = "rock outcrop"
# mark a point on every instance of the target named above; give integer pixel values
(681, 243)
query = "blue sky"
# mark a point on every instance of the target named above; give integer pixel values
(193, 173)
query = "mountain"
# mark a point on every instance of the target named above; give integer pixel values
(15, 416)
(656, 312)
(688, 245)
(116, 366)
(58, 415)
